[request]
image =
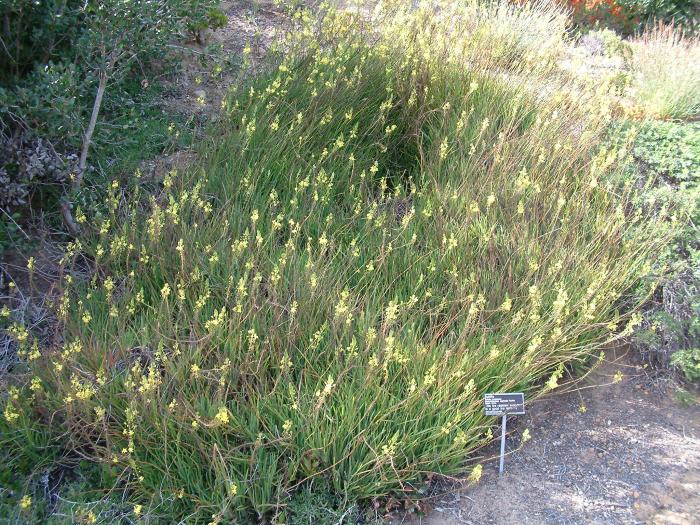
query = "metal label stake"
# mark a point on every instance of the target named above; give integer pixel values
(503, 405)
(503, 443)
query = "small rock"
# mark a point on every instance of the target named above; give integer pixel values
(665, 501)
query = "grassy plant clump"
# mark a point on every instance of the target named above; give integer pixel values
(665, 67)
(384, 226)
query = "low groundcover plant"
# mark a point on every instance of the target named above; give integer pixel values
(384, 226)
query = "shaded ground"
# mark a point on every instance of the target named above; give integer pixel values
(208, 71)
(633, 456)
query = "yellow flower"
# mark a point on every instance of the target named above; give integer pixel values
(99, 412)
(222, 417)
(137, 510)
(475, 474)
(25, 502)
(443, 148)
(507, 305)
(526, 435)
(11, 415)
(232, 488)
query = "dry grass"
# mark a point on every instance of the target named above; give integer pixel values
(665, 67)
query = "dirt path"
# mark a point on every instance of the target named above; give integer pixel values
(633, 456)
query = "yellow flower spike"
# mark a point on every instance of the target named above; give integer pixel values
(526, 436)
(475, 474)
(10, 414)
(25, 502)
(507, 305)
(232, 489)
(443, 149)
(222, 416)
(36, 385)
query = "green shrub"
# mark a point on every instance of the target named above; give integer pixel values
(631, 16)
(668, 155)
(682, 13)
(384, 225)
(54, 56)
(688, 361)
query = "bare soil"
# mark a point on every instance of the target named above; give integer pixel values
(198, 90)
(633, 456)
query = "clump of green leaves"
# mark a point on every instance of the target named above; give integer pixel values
(668, 156)
(688, 360)
(683, 13)
(611, 42)
(74, 75)
(670, 150)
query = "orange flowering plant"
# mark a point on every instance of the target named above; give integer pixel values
(620, 15)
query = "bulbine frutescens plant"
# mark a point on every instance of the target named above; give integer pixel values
(384, 226)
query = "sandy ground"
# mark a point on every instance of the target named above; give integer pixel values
(632, 457)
